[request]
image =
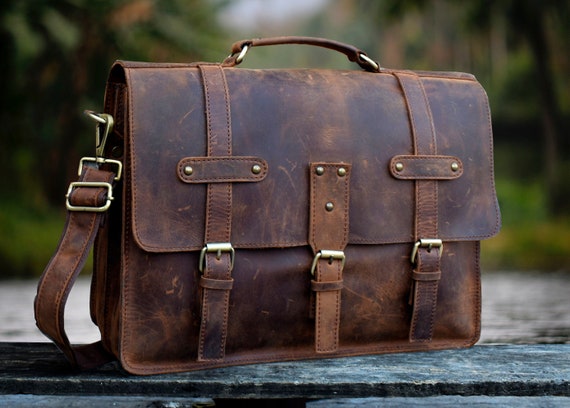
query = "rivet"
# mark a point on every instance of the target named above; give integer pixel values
(399, 166)
(329, 206)
(320, 170)
(454, 166)
(188, 170)
(117, 152)
(341, 172)
(256, 169)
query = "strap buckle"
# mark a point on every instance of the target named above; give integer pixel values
(331, 255)
(428, 243)
(89, 184)
(101, 160)
(217, 247)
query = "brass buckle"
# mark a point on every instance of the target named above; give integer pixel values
(101, 160)
(217, 247)
(89, 184)
(428, 243)
(331, 255)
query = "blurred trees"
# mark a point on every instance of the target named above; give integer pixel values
(55, 58)
(56, 55)
(536, 26)
(518, 49)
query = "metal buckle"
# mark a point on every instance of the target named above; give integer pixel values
(217, 247)
(331, 255)
(89, 184)
(428, 243)
(101, 160)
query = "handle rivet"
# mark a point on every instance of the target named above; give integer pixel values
(329, 206)
(188, 170)
(399, 166)
(454, 166)
(256, 169)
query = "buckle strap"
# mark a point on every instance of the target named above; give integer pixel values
(328, 236)
(217, 257)
(425, 257)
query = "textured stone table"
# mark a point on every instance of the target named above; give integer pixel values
(506, 375)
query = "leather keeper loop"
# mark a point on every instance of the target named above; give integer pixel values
(326, 286)
(88, 197)
(223, 169)
(426, 167)
(216, 284)
(426, 276)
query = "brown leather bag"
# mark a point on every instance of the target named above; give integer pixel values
(243, 216)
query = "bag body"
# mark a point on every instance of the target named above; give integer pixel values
(267, 215)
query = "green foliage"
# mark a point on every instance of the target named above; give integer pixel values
(28, 238)
(530, 239)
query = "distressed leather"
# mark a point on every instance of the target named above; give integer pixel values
(149, 295)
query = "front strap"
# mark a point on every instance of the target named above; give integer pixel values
(217, 264)
(328, 237)
(61, 272)
(424, 292)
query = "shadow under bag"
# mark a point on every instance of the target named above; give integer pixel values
(242, 216)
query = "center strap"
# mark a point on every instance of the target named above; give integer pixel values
(426, 273)
(328, 236)
(216, 280)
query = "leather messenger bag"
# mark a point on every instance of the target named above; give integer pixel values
(242, 216)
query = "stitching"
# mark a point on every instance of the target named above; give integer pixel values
(228, 112)
(204, 322)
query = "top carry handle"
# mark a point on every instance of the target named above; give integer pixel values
(240, 49)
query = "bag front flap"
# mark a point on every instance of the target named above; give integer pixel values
(283, 121)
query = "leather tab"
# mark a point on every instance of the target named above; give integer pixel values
(328, 231)
(416, 167)
(222, 169)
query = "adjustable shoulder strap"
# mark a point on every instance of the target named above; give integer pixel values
(87, 201)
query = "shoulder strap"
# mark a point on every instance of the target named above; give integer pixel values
(87, 201)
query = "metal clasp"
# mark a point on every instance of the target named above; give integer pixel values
(103, 127)
(239, 59)
(331, 255)
(373, 64)
(101, 160)
(428, 243)
(217, 247)
(89, 184)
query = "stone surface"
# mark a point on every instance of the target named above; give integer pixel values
(501, 370)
